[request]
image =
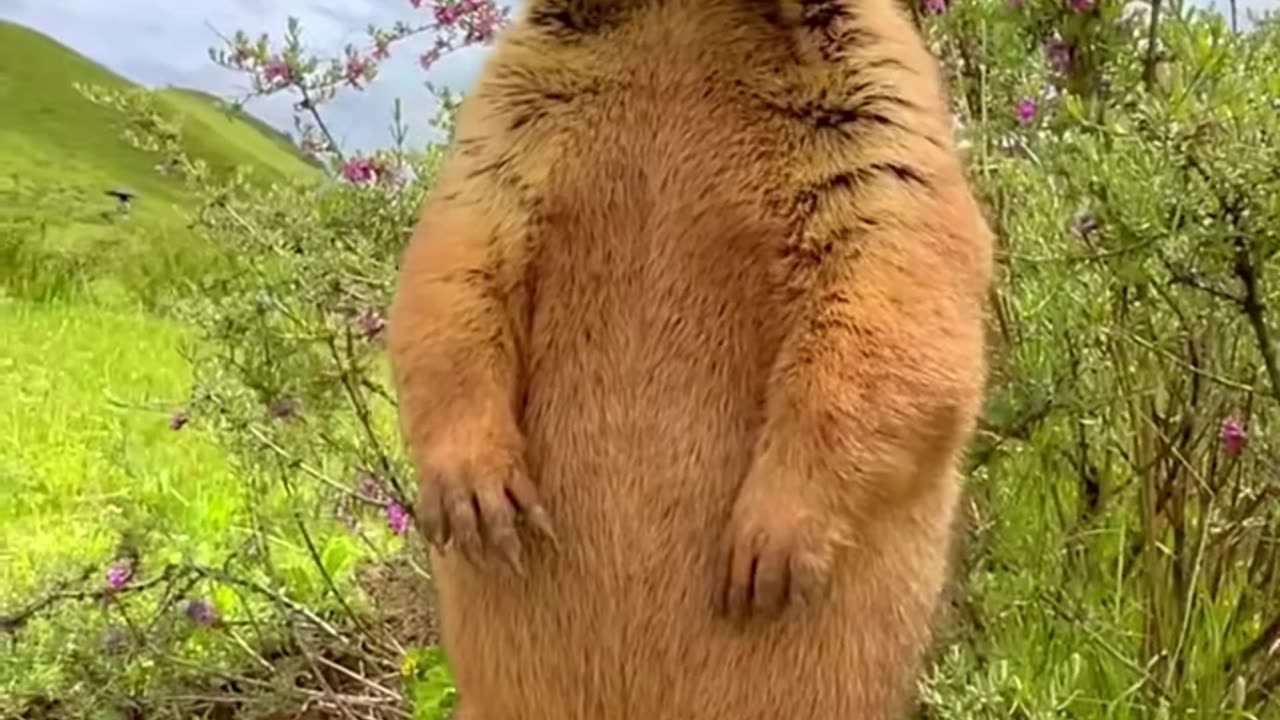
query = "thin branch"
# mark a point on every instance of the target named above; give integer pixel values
(1153, 31)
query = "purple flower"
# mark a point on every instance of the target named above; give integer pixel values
(1026, 111)
(202, 612)
(118, 574)
(372, 323)
(1233, 436)
(397, 518)
(1059, 55)
(1081, 5)
(936, 6)
(178, 420)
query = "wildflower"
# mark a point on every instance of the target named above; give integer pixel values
(178, 420)
(1233, 436)
(935, 6)
(1059, 55)
(397, 517)
(357, 69)
(118, 574)
(446, 15)
(360, 170)
(372, 323)
(1081, 5)
(381, 50)
(202, 612)
(277, 72)
(1026, 111)
(416, 4)
(484, 19)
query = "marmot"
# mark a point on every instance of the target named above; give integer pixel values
(687, 345)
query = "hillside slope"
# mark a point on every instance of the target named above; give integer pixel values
(42, 114)
(60, 154)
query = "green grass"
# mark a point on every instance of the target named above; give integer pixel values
(88, 374)
(225, 137)
(85, 446)
(60, 235)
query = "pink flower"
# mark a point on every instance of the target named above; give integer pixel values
(277, 72)
(1233, 436)
(416, 3)
(178, 420)
(446, 15)
(482, 20)
(935, 6)
(360, 170)
(397, 518)
(1081, 5)
(357, 69)
(1026, 111)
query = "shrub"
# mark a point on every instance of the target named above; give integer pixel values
(1121, 552)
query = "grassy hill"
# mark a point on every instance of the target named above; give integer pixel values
(60, 154)
(76, 282)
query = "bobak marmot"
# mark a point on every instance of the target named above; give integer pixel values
(688, 342)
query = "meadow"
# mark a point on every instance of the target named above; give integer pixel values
(206, 509)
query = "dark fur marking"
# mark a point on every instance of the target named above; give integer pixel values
(534, 106)
(836, 28)
(886, 63)
(845, 118)
(571, 20)
(820, 14)
(495, 168)
(852, 179)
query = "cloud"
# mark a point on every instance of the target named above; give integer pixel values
(165, 42)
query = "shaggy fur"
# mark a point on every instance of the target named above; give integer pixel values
(687, 343)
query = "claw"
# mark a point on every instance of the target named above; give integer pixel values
(541, 522)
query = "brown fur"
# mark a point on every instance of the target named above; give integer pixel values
(699, 295)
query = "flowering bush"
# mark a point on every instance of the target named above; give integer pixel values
(1120, 556)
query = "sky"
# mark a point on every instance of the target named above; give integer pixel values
(166, 42)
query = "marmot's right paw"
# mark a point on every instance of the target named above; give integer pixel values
(475, 491)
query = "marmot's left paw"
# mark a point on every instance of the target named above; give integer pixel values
(476, 492)
(779, 555)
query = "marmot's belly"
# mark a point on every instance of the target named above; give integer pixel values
(636, 464)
